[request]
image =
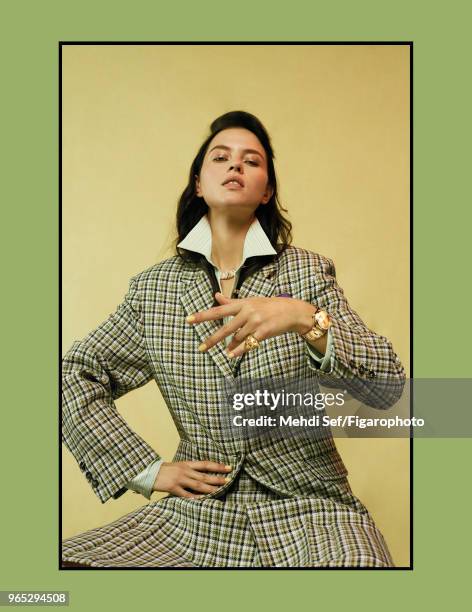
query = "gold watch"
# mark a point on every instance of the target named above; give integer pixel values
(321, 324)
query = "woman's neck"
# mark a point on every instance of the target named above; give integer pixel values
(227, 239)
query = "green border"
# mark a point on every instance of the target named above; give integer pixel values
(29, 456)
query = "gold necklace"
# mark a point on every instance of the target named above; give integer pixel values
(227, 274)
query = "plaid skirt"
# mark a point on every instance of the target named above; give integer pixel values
(251, 526)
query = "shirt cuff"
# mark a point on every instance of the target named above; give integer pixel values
(144, 481)
(322, 362)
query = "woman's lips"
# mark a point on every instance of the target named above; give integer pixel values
(233, 185)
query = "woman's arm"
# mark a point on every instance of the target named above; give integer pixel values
(111, 361)
(361, 361)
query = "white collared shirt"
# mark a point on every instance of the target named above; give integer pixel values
(199, 240)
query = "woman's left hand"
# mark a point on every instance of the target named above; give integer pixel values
(261, 317)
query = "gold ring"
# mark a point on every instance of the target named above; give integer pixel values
(251, 343)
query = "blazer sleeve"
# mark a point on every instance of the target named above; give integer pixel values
(109, 362)
(362, 362)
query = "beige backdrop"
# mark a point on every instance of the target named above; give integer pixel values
(133, 119)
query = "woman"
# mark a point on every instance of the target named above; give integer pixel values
(235, 302)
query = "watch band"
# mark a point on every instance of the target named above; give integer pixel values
(321, 324)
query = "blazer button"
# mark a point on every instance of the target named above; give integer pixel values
(95, 482)
(371, 374)
(88, 476)
(82, 465)
(352, 364)
(361, 369)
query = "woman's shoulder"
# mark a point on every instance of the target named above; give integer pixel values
(302, 258)
(168, 269)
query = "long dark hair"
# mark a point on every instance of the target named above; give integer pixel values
(191, 207)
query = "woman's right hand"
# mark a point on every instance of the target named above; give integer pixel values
(183, 477)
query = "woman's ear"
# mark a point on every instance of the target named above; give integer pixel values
(267, 194)
(197, 187)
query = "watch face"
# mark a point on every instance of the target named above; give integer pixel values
(322, 319)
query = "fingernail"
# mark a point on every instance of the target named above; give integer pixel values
(190, 318)
(227, 479)
(202, 347)
(230, 355)
(229, 467)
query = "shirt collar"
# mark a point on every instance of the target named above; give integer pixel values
(256, 242)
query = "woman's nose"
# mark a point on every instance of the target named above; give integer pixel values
(236, 166)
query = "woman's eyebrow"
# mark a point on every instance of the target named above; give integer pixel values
(229, 149)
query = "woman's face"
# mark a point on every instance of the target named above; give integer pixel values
(234, 171)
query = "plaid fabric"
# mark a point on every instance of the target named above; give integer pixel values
(250, 527)
(147, 338)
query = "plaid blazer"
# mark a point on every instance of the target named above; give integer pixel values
(147, 338)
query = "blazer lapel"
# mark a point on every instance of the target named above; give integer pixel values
(197, 295)
(261, 283)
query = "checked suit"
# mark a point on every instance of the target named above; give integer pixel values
(288, 503)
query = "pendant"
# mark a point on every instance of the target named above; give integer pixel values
(226, 274)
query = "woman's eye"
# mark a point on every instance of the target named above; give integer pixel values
(223, 158)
